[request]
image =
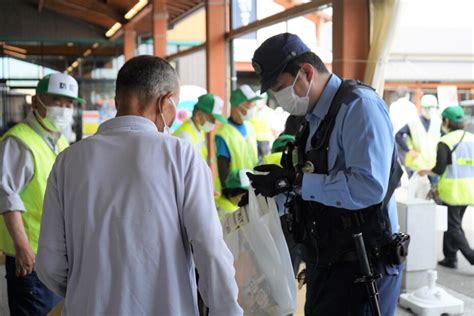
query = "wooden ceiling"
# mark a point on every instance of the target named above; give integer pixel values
(105, 13)
(55, 33)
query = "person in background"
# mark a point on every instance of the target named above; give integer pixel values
(417, 142)
(28, 151)
(236, 187)
(455, 168)
(129, 212)
(207, 110)
(236, 141)
(261, 123)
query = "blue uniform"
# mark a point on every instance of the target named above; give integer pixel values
(359, 160)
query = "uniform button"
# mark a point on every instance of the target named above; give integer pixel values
(312, 196)
(338, 203)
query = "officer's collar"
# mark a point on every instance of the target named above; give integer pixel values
(322, 105)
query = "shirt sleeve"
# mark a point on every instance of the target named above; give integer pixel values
(51, 261)
(401, 138)
(213, 259)
(443, 159)
(367, 145)
(221, 147)
(16, 171)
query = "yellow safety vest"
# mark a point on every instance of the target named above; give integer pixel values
(456, 184)
(199, 140)
(224, 205)
(272, 159)
(262, 128)
(243, 151)
(32, 194)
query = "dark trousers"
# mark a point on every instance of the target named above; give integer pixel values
(332, 291)
(454, 238)
(27, 296)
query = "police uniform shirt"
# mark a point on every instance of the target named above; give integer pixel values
(360, 153)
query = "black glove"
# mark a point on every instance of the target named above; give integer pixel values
(278, 180)
(244, 200)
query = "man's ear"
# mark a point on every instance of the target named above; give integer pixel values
(308, 71)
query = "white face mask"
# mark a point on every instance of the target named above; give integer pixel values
(428, 113)
(208, 126)
(250, 113)
(167, 129)
(291, 102)
(60, 117)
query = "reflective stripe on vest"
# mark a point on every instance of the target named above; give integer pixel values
(199, 140)
(32, 194)
(456, 185)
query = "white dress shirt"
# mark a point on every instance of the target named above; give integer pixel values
(127, 213)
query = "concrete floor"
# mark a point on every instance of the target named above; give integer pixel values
(459, 283)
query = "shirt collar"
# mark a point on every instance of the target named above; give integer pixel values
(32, 121)
(128, 123)
(322, 105)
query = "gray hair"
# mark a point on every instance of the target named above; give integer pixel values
(146, 77)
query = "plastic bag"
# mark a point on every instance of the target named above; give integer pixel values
(418, 187)
(264, 273)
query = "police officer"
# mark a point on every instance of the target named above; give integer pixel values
(345, 188)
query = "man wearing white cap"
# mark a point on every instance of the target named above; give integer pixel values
(28, 151)
(417, 141)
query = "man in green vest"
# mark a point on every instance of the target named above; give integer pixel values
(236, 142)
(207, 110)
(28, 151)
(455, 166)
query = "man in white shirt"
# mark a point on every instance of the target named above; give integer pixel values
(129, 211)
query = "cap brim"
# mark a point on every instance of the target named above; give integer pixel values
(268, 80)
(220, 118)
(80, 100)
(258, 97)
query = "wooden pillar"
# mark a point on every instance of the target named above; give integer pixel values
(216, 26)
(350, 38)
(160, 27)
(129, 41)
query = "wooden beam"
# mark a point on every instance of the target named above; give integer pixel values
(160, 27)
(186, 52)
(279, 17)
(98, 7)
(60, 50)
(129, 42)
(81, 13)
(40, 5)
(216, 27)
(350, 38)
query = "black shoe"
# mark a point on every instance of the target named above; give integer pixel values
(448, 263)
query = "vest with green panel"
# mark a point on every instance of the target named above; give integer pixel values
(32, 194)
(243, 151)
(456, 184)
(198, 138)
